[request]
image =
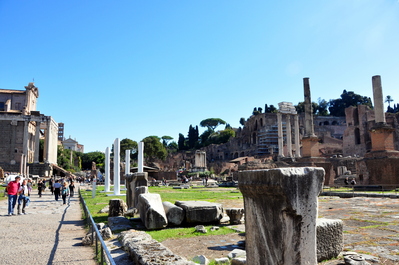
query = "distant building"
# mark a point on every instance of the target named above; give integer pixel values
(73, 145)
(60, 133)
(21, 127)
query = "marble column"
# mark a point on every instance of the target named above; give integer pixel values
(107, 171)
(378, 100)
(21, 165)
(280, 214)
(117, 176)
(289, 135)
(140, 166)
(280, 135)
(37, 143)
(297, 146)
(26, 138)
(127, 164)
(310, 146)
(309, 130)
(46, 151)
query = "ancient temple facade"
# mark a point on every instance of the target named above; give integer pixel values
(22, 127)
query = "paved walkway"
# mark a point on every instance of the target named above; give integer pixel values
(50, 233)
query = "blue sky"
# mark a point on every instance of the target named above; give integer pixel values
(131, 69)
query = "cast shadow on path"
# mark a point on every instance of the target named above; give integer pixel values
(57, 235)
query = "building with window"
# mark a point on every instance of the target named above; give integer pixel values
(21, 128)
(72, 145)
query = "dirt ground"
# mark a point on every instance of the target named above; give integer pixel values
(371, 226)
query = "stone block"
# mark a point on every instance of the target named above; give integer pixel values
(137, 191)
(119, 223)
(239, 261)
(330, 238)
(151, 210)
(134, 181)
(237, 253)
(144, 250)
(117, 207)
(201, 229)
(201, 212)
(222, 261)
(201, 259)
(174, 214)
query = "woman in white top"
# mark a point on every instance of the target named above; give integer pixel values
(23, 197)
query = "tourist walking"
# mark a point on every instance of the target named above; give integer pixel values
(29, 184)
(50, 184)
(64, 192)
(23, 197)
(72, 188)
(12, 190)
(57, 189)
(40, 188)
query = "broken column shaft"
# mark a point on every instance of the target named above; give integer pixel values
(280, 214)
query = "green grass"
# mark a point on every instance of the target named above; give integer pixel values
(167, 194)
(99, 202)
(161, 235)
(200, 194)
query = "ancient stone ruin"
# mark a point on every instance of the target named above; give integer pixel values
(281, 207)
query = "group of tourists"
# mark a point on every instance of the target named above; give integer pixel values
(63, 189)
(20, 192)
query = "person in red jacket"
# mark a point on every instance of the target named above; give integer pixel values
(12, 190)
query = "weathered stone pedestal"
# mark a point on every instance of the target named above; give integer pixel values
(310, 147)
(134, 181)
(280, 214)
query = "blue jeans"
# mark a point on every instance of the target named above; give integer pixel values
(12, 200)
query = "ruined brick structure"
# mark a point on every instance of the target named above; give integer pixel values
(360, 120)
(258, 137)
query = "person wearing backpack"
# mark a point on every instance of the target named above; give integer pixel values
(64, 192)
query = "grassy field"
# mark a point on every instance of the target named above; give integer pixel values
(217, 195)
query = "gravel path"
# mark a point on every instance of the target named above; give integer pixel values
(50, 233)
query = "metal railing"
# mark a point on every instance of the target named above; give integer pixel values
(101, 247)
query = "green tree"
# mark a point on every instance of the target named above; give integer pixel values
(271, 109)
(172, 147)
(389, 99)
(300, 108)
(221, 137)
(212, 123)
(205, 137)
(192, 138)
(255, 111)
(181, 142)
(166, 139)
(153, 148)
(88, 158)
(337, 106)
(242, 121)
(322, 108)
(68, 159)
(127, 144)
